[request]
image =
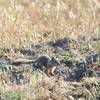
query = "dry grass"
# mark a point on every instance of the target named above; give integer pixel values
(45, 89)
(26, 22)
(53, 88)
(23, 22)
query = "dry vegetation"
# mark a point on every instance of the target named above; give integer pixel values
(26, 22)
(23, 22)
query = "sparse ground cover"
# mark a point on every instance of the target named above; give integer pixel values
(25, 82)
(67, 30)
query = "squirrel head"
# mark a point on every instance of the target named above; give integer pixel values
(53, 62)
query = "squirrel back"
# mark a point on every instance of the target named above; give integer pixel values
(48, 64)
(42, 61)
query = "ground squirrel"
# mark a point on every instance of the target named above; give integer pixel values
(47, 64)
(43, 62)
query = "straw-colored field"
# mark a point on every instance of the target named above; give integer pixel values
(23, 22)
